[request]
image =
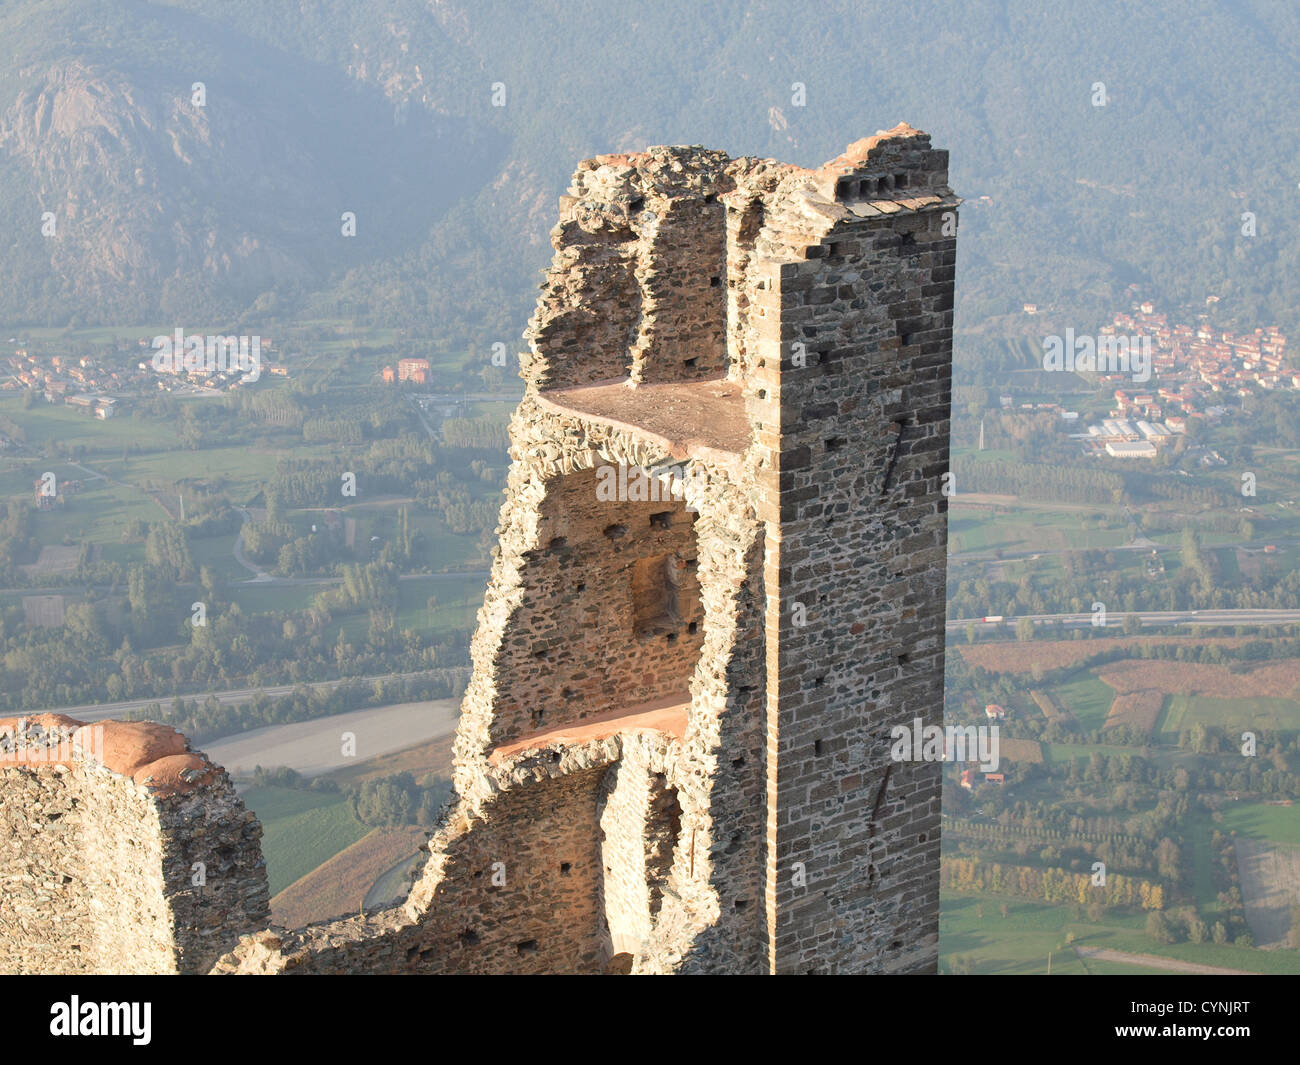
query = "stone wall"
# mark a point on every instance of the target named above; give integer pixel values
(107, 828)
(620, 570)
(637, 286)
(857, 539)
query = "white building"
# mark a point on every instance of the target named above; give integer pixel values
(1130, 449)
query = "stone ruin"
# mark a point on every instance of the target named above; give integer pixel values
(720, 583)
(123, 851)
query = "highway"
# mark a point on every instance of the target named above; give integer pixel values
(1149, 618)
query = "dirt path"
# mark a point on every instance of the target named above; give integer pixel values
(1153, 961)
(392, 884)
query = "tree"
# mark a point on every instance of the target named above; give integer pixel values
(1159, 928)
(274, 511)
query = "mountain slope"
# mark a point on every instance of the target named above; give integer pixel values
(386, 108)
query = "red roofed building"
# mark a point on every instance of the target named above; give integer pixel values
(416, 370)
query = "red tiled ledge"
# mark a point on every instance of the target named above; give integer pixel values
(667, 715)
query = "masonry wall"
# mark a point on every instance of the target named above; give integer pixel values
(546, 915)
(638, 287)
(683, 275)
(97, 870)
(516, 888)
(857, 543)
(47, 924)
(594, 562)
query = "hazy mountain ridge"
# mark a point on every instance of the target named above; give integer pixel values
(389, 106)
(162, 205)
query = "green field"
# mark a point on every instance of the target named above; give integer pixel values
(458, 603)
(274, 598)
(99, 513)
(301, 829)
(1276, 824)
(66, 427)
(1029, 528)
(1065, 752)
(1233, 715)
(1020, 943)
(1087, 698)
(217, 553)
(1198, 829)
(1016, 944)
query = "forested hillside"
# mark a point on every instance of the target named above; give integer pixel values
(168, 209)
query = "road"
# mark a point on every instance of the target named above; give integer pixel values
(78, 589)
(1141, 544)
(1150, 618)
(317, 746)
(258, 573)
(230, 697)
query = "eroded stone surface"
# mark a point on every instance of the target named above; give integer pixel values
(122, 851)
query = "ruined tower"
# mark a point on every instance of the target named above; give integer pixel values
(719, 584)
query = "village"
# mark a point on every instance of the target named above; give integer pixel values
(1199, 374)
(101, 385)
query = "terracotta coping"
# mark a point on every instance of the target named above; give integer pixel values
(667, 715)
(154, 755)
